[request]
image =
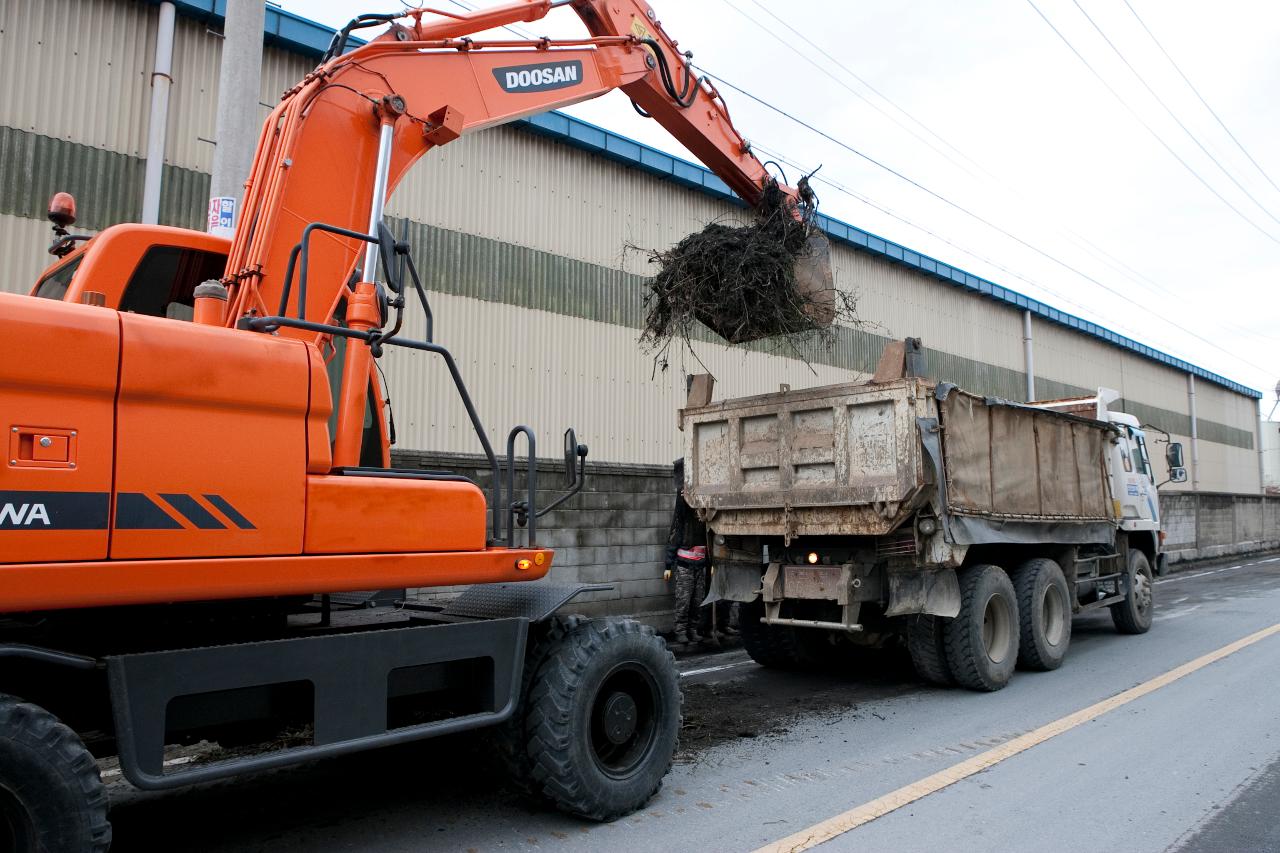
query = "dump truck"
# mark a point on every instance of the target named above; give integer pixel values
(199, 464)
(902, 510)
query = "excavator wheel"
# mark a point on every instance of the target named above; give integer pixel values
(601, 719)
(51, 795)
(509, 740)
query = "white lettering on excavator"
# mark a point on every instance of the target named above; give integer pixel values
(539, 77)
(24, 514)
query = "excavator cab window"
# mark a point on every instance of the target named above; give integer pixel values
(55, 284)
(163, 283)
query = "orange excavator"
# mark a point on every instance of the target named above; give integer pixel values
(199, 458)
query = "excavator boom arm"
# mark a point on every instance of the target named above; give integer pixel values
(422, 84)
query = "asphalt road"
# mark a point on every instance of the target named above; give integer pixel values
(1191, 765)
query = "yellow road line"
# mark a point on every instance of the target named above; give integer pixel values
(856, 817)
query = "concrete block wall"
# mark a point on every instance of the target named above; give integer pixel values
(1178, 510)
(1200, 525)
(614, 531)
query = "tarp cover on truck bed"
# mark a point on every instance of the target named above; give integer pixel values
(1016, 462)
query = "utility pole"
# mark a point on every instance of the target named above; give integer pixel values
(238, 121)
(158, 118)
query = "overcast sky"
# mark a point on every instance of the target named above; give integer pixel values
(984, 105)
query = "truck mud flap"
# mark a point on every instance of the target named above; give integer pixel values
(735, 582)
(349, 677)
(936, 593)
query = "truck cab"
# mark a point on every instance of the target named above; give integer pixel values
(1129, 470)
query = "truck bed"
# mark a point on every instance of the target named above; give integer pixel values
(857, 459)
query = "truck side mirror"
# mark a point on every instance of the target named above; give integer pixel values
(1177, 475)
(1173, 455)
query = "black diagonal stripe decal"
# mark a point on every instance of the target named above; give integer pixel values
(54, 510)
(196, 514)
(224, 506)
(136, 511)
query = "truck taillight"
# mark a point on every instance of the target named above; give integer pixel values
(1162, 535)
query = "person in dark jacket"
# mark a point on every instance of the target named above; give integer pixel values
(688, 560)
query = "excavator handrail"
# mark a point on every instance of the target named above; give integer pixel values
(270, 324)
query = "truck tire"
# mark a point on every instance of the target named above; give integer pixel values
(926, 644)
(51, 795)
(1044, 614)
(602, 719)
(1134, 614)
(509, 740)
(982, 640)
(774, 646)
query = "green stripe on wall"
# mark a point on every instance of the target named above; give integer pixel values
(108, 188)
(107, 185)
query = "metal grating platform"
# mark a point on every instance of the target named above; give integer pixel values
(532, 601)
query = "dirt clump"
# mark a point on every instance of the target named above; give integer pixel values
(767, 278)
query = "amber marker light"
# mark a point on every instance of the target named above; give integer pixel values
(813, 557)
(524, 564)
(540, 558)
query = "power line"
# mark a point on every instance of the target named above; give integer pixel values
(839, 187)
(846, 69)
(966, 211)
(1096, 251)
(1172, 115)
(945, 200)
(1148, 127)
(850, 89)
(870, 202)
(1192, 87)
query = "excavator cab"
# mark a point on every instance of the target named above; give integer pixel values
(137, 269)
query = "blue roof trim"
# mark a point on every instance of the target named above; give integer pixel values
(293, 32)
(282, 28)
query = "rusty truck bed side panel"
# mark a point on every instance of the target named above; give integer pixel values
(849, 460)
(844, 459)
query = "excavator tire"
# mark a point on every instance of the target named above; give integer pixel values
(510, 738)
(51, 796)
(774, 646)
(602, 719)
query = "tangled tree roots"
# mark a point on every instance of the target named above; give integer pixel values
(741, 282)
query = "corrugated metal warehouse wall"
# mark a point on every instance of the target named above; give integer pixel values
(522, 238)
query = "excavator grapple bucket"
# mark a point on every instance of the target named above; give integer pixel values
(802, 302)
(815, 284)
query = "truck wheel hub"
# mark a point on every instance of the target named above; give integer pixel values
(619, 718)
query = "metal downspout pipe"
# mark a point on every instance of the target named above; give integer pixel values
(158, 118)
(1028, 356)
(1195, 432)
